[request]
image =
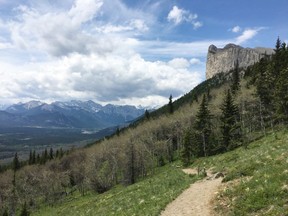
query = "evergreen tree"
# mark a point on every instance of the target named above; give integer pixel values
(24, 211)
(16, 163)
(44, 157)
(34, 157)
(235, 79)
(170, 105)
(51, 154)
(5, 213)
(277, 59)
(118, 131)
(147, 114)
(230, 128)
(131, 171)
(30, 158)
(187, 151)
(277, 45)
(203, 128)
(281, 96)
(264, 83)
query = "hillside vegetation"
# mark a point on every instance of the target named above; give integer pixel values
(147, 197)
(256, 184)
(220, 115)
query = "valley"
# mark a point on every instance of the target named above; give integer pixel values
(35, 125)
(24, 139)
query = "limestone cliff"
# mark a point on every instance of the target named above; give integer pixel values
(224, 60)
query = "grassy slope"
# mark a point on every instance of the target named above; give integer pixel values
(257, 177)
(148, 197)
(257, 184)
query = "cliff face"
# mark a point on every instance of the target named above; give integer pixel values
(224, 60)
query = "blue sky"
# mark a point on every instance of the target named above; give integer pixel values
(123, 51)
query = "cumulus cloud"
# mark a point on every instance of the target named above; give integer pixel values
(179, 63)
(236, 29)
(178, 16)
(103, 78)
(195, 61)
(247, 35)
(92, 49)
(57, 33)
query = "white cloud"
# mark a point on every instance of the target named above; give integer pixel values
(178, 16)
(195, 61)
(57, 33)
(94, 49)
(179, 63)
(102, 78)
(135, 25)
(236, 29)
(247, 35)
(197, 24)
(182, 49)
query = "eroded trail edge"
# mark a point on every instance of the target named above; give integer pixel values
(196, 200)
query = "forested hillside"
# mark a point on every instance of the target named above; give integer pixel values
(221, 114)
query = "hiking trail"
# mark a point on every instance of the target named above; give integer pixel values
(196, 200)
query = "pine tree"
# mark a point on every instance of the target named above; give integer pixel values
(118, 131)
(147, 114)
(24, 211)
(230, 128)
(187, 151)
(170, 105)
(16, 163)
(277, 59)
(30, 158)
(235, 79)
(281, 96)
(5, 213)
(44, 157)
(34, 157)
(51, 154)
(264, 82)
(203, 128)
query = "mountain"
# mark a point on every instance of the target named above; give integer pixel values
(71, 114)
(224, 60)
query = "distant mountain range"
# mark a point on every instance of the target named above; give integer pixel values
(72, 114)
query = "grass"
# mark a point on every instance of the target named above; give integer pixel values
(147, 197)
(257, 177)
(256, 183)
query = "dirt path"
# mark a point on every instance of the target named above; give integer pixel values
(195, 201)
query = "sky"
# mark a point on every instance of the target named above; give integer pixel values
(134, 52)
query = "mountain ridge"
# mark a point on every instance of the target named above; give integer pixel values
(70, 114)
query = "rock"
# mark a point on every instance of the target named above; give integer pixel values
(224, 59)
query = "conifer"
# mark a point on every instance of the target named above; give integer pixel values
(187, 151)
(5, 213)
(51, 154)
(230, 128)
(24, 211)
(235, 79)
(16, 163)
(203, 128)
(170, 105)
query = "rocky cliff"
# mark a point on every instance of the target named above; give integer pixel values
(224, 59)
